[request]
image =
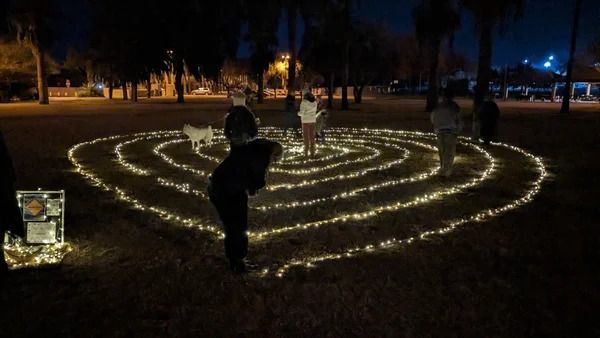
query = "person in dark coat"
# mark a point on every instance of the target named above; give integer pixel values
(240, 125)
(488, 117)
(291, 120)
(242, 173)
(10, 214)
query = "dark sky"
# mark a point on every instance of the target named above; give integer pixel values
(543, 31)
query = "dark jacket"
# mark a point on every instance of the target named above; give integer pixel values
(10, 213)
(244, 169)
(240, 125)
(489, 113)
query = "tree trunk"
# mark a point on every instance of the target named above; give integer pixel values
(134, 95)
(292, 13)
(42, 80)
(111, 84)
(432, 93)
(125, 96)
(565, 107)
(358, 93)
(484, 70)
(346, 57)
(178, 76)
(261, 86)
(330, 90)
(149, 86)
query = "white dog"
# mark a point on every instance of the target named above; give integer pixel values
(198, 134)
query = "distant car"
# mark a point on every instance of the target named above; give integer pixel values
(202, 91)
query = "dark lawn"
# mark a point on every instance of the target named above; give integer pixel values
(531, 272)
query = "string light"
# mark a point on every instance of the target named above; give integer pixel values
(480, 216)
(345, 141)
(18, 255)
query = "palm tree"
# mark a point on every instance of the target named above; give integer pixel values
(34, 22)
(435, 20)
(489, 15)
(567, 96)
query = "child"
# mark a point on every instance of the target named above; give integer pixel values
(242, 173)
(447, 125)
(321, 123)
(290, 118)
(308, 116)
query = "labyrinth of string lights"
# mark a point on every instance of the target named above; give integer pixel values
(345, 141)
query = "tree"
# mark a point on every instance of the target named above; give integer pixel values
(567, 97)
(35, 24)
(594, 52)
(488, 15)
(17, 62)
(262, 29)
(121, 47)
(373, 58)
(323, 43)
(435, 20)
(206, 52)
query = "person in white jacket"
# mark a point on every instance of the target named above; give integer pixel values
(447, 125)
(308, 116)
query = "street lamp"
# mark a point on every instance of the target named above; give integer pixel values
(547, 64)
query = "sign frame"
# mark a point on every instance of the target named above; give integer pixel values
(53, 217)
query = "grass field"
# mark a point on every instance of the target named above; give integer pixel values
(529, 272)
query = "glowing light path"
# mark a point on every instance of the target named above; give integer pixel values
(364, 155)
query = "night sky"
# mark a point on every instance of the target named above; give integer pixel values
(543, 31)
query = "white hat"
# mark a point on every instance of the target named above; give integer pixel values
(239, 99)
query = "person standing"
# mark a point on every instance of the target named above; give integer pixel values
(488, 116)
(447, 124)
(308, 116)
(290, 117)
(10, 214)
(240, 174)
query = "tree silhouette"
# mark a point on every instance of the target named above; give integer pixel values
(35, 26)
(489, 15)
(262, 29)
(435, 20)
(565, 107)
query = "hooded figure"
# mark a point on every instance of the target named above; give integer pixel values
(240, 126)
(242, 173)
(488, 117)
(10, 214)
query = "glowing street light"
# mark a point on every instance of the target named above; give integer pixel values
(547, 64)
(551, 57)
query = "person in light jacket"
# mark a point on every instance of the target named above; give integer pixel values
(308, 116)
(447, 125)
